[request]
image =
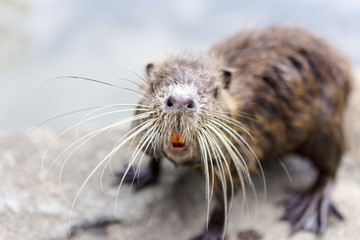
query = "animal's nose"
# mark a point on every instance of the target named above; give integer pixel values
(180, 102)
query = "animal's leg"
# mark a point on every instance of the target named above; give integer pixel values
(144, 177)
(215, 228)
(309, 211)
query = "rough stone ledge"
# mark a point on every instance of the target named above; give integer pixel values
(34, 205)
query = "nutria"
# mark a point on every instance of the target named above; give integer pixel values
(251, 98)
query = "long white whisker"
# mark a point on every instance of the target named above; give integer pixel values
(218, 156)
(242, 142)
(227, 141)
(144, 139)
(234, 150)
(119, 142)
(207, 147)
(78, 78)
(114, 105)
(91, 135)
(56, 139)
(123, 141)
(131, 143)
(137, 75)
(286, 171)
(106, 158)
(140, 146)
(111, 112)
(137, 92)
(150, 141)
(59, 116)
(235, 155)
(240, 114)
(233, 122)
(133, 82)
(204, 158)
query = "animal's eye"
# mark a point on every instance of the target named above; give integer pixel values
(152, 87)
(216, 92)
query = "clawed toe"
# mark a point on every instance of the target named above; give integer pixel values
(209, 235)
(140, 179)
(309, 211)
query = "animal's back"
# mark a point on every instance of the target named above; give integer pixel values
(291, 82)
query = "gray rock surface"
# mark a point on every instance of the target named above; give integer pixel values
(34, 204)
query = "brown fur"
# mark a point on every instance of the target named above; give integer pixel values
(287, 87)
(296, 87)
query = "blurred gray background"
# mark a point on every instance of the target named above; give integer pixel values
(105, 40)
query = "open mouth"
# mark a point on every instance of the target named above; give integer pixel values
(177, 141)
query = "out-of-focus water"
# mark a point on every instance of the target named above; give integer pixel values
(40, 40)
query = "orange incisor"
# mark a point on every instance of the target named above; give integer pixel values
(177, 138)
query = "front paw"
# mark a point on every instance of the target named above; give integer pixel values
(309, 211)
(210, 234)
(140, 179)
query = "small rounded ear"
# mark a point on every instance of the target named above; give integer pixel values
(226, 75)
(149, 68)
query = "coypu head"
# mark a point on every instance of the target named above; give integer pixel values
(182, 95)
(187, 114)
